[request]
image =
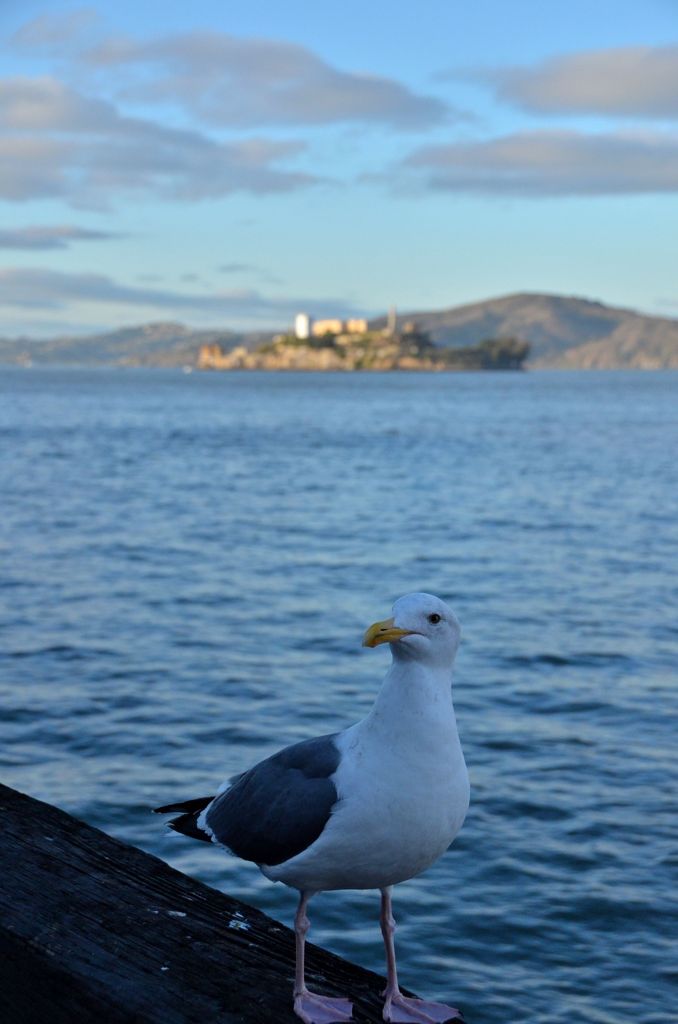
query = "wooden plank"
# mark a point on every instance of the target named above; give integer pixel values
(94, 930)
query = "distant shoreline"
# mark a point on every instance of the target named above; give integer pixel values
(564, 332)
(188, 370)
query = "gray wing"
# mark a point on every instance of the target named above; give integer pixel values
(278, 808)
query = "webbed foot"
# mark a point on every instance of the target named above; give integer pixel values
(315, 1009)
(399, 1009)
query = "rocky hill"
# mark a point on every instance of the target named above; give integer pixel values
(562, 331)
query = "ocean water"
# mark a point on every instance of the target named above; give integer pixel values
(189, 563)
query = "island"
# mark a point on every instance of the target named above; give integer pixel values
(408, 349)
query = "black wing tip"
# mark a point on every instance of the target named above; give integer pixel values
(189, 811)
(187, 825)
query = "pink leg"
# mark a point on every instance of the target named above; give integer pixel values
(311, 1008)
(399, 1009)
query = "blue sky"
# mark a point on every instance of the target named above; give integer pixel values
(228, 164)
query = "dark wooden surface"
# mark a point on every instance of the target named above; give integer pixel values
(94, 930)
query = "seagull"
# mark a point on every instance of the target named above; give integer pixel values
(365, 808)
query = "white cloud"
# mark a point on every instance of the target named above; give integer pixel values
(237, 82)
(45, 104)
(60, 143)
(226, 80)
(74, 137)
(32, 168)
(549, 163)
(42, 288)
(50, 236)
(634, 81)
(55, 33)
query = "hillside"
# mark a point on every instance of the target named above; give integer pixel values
(154, 344)
(644, 345)
(562, 331)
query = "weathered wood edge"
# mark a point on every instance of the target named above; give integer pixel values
(92, 929)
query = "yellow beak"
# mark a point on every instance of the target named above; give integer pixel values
(384, 633)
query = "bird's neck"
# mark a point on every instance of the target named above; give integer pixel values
(415, 701)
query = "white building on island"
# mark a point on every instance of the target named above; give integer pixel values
(306, 327)
(302, 325)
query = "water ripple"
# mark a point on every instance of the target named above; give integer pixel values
(189, 563)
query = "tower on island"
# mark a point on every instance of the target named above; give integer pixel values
(302, 325)
(391, 321)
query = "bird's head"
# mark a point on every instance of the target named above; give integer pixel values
(423, 628)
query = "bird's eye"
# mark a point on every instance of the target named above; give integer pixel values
(434, 618)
